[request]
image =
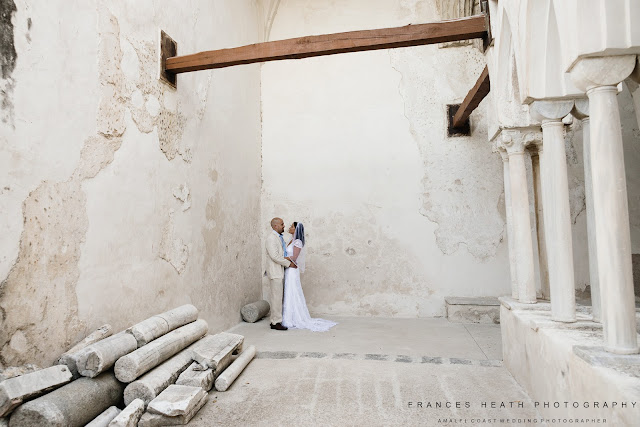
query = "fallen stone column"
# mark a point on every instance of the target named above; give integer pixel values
(224, 381)
(255, 311)
(215, 351)
(158, 325)
(196, 377)
(176, 400)
(104, 418)
(131, 366)
(74, 404)
(130, 415)
(101, 356)
(182, 402)
(155, 381)
(70, 357)
(180, 316)
(16, 390)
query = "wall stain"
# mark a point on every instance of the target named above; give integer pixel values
(8, 57)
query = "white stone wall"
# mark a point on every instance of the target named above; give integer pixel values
(121, 197)
(398, 215)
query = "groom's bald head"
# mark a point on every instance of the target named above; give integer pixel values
(277, 224)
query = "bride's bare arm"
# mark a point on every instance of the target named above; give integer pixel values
(296, 252)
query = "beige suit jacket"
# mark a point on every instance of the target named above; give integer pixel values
(275, 256)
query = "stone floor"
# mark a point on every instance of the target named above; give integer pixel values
(372, 372)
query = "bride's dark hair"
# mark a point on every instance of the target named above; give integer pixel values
(299, 233)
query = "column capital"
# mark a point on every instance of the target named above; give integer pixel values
(597, 71)
(581, 109)
(553, 110)
(514, 141)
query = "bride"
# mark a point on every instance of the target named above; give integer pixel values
(294, 308)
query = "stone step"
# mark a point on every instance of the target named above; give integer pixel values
(473, 309)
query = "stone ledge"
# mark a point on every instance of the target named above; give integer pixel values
(473, 309)
(491, 301)
(597, 356)
(541, 305)
(565, 362)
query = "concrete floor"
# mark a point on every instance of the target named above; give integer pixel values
(370, 372)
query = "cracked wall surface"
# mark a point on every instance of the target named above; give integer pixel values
(107, 174)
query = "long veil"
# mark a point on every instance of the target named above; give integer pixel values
(299, 242)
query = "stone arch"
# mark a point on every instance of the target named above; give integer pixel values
(553, 70)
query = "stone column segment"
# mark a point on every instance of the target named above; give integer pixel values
(509, 218)
(158, 325)
(153, 382)
(557, 216)
(99, 357)
(581, 111)
(514, 141)
(196, 377)
(214, 351)
(16, 390)
(130, 415)
(150, 419)
(104, 418)
(543, 259)
(176, 400)
(255, 311)
(134, 364)
(74, 404)
(70, 357)
(599, 76)
(224, 381)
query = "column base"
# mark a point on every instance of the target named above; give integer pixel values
(527, 301)
(622, 350)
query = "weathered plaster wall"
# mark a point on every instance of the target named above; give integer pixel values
(398, 215)
(121, 197)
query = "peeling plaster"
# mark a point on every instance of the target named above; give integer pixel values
(182, 193)
(464, 210)
(53, 272)
(44, 277)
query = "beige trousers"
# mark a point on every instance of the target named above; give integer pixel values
(277, 293)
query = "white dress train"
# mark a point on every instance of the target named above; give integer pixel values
(295, 313)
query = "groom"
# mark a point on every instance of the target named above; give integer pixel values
(276, 261)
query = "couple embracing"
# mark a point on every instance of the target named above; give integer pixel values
(285, 262)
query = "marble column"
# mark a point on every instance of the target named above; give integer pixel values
(537, 169)
(581, 111)
(514, 142)
(557, 217)
(509, 215)
(599, 76)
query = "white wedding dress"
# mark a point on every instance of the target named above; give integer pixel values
(295, 314)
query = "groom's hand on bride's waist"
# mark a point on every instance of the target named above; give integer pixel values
(293, 264)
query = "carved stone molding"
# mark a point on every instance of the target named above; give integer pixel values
(515, 141)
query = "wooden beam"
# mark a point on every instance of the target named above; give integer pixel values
(330, 44)
(473, 98)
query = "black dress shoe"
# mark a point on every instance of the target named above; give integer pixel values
(278, 327)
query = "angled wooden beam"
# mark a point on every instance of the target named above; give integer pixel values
(330, 44)
(473, 98)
